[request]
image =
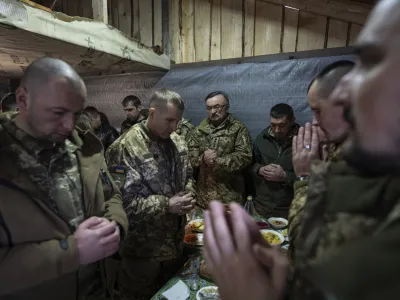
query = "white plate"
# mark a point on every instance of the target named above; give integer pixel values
(271, 220)
(286, 247)
(214, 288)
(200, 240)
(197, 220)
(281, 237)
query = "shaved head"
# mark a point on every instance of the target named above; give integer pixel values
(43, 71)
(49, 97)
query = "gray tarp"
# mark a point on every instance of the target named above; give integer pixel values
(253, 88)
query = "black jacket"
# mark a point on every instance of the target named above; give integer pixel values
(107, 135)
(273, 198)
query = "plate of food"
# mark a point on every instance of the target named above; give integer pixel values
(208, 293)
(272, 237)
(278, 223)
(197, 225)
(194, 239)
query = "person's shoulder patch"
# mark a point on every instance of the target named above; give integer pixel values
(119, 174)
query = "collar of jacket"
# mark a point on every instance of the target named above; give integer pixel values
(149, 134)
(269, 134)
(207, 127)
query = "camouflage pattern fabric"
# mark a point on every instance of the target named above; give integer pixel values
(341, 208)
(127, 124)
(184, 128)
(55, 170)
(300, 199)
(224, 182)
(149, 171)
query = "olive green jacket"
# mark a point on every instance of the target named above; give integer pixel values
(38, 252)
(224, 182)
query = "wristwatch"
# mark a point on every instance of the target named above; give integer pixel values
(302, 178)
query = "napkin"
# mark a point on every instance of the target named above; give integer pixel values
(179, 291)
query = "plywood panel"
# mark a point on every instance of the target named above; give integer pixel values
(202, 10)
(114, 14)
(135, 20)
(157, 26)
(312, 29)
(125, 16)
(249, 11)
(268, 28)
(354, 32)
(87, 10)
(146, 22)
(216, 29)
(174, 31)
(232, 28)
(290, 30)
(337, 34)
(188, 31)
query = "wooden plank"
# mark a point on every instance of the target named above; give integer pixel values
(268, 28)
(99, 10)
(188, 53)
(232, 29)
(114, 13)
(165, 27)
(337, 34)
(290, 30)
(354, 32)
(124, 16)
(146, 22)
(216, 29)
(249, 12)
(175, 40)
(202, 30)
(157, 24)
(87, 10)
(109, 12)
(135, 19)
(311, 34)
(344, 10)
(73, 9)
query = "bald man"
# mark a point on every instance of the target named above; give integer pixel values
(151, 164)
(60, 210)
(332, 131)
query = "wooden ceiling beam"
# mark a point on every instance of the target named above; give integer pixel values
(100, 10)
(345, 10)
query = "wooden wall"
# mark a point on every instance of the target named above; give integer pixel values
(202, 30)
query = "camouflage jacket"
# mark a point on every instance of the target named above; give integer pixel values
(349, 221)
(300, 198)
(184, 128)
(149, 172)
(224, 182)
(40, 207)
(128, 124)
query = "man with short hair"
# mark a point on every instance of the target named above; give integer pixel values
(133, 108)
(151, 165)
(332, 131)
(221, 148)
(272, 167)
(351, 227)
(103, 130)
(60, 210)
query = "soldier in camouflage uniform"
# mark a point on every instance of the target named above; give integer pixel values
(329, 128)
(133, 110)
(59, 205)
(221, 147)
(151, 165)
(184, 128)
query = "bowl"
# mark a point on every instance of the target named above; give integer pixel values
(278, 223)
(196, 225)
(194, 239)
(210, 291)
(280, 237)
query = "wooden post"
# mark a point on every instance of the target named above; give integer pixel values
(100, 10)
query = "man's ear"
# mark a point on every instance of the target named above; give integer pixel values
(21, 97)
(151, 112)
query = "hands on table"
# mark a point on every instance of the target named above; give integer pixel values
(272, 172)
(240, 259)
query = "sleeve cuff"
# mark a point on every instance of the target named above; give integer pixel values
(69, 258)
